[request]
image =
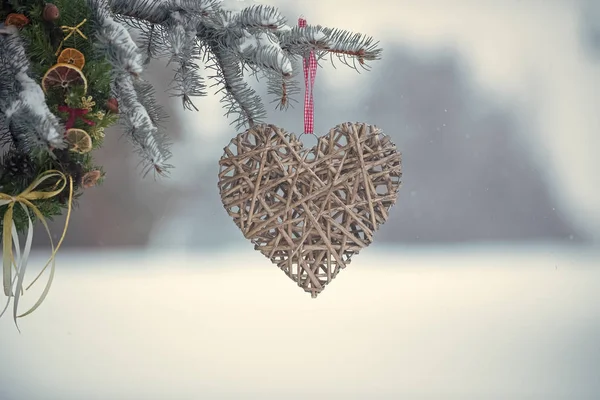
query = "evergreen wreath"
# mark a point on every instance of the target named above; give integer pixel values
(70, 69)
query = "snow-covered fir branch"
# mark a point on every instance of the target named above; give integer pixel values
(147, 97)
(181, 33)
(22, 101)
(115, 41)
(256, 37)
(187, 33)
(238, 97)
(158, 11)
(151, 142)
(281, 89)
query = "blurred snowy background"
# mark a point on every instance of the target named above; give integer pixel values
(493, 104)
(483, 284)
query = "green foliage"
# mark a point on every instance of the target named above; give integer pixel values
(43, 39)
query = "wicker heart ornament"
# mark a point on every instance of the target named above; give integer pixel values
(310, 210)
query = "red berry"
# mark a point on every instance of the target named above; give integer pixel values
(51, 12)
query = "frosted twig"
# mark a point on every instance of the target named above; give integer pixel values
(22, 100)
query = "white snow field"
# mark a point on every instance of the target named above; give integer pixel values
(436, 323)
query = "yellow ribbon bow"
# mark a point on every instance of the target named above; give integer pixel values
(70, 31)
(10, 237)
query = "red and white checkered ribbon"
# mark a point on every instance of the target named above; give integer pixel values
(310, 72)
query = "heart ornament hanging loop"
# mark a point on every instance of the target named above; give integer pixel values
(310, 210)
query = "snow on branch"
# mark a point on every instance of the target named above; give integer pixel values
(22, 101)
(181, 35)
(115, 41)
(265, 17)
(151, 143)
(263, 51)
(254, 37)
(158, 11)
(147, 97)
(238, 96)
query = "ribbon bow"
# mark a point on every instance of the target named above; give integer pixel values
(10, 236)
(70, 31)
(75, 113)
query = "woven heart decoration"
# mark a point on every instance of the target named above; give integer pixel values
(310, 210)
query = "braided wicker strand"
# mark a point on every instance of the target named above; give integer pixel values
(310, 210)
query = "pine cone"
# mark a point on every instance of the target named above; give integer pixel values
(19, 166)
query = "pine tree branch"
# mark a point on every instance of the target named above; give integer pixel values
(6, 138)
(151, 143)
(237, 25)
(181, 33)
(150, 38)
(159, 11)
(255, 38)
(282, 89)
(147, 97)
(138, 109)
(238, 96)
(258, 17)
(25, 112)
(115, 41)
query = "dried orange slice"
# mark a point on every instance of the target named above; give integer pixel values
(71, 56)
(79, 140)
(18, 20)
(63, 75)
